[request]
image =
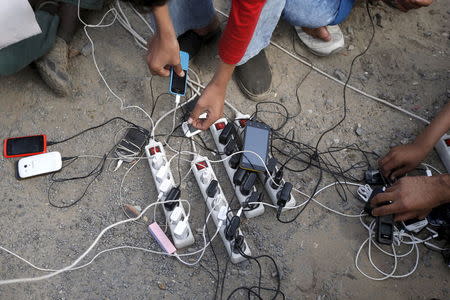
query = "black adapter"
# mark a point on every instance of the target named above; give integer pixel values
(211, 190)
(232, 228)
(239, 176)
(235, 160)
(248, 183)
(226, 134)
(254, 198)
(174, 194)
(239, 245)
(284, 195)
(230, 148)
(271, 165)
(277, 179)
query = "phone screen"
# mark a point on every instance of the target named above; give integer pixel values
(256, 140)
(25, 145)
(178, 83)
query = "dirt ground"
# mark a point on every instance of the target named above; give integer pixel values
(407, 64)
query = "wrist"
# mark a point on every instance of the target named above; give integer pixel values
(442, 183)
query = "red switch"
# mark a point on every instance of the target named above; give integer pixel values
(201, 165)
(447, 142)
(154, 150)
(220, 126)
(243, 122)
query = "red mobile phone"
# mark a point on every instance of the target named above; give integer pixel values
(24, 146)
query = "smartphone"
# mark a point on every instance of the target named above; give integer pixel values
(39, 164)
(132, 143)
(256, 139)
(24, 146)
(178, 84)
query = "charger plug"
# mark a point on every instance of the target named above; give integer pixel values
(174, 194)
(248, 184)
(180, 230)
(158, 161)
(277, 179)
(176, 215)
(165, 187)
(284, 195)
(232, 228)
(211, 190)
(162, 173)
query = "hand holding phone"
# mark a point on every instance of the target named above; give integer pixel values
(178, 84)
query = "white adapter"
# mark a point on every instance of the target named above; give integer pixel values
(443, 149)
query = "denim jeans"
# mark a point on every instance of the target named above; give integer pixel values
(194, 14)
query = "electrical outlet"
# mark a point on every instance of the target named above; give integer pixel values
(216, 201)
(216, 130)
(176, 217)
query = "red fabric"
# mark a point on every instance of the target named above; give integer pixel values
(242, 22)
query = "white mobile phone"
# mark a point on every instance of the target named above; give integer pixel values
(39, 164)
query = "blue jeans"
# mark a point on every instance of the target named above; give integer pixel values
(194, 14)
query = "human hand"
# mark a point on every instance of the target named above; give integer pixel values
(411, 197)
(211, 101)
(402, 159)
(164, 51)
(406, 5)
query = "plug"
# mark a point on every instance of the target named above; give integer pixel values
(230, 148)
(235, 160)
(271, 165)
(222, 215)
(226, 134)
(158, 161)
(238, 244)
(174, 194)
(165, 187)
(277, 179)
(211, 190)
(162, 173)
(219, 202)
(176, 215)
(181, 230)
(239, 176)
(248, 184)
(205, 176)
(233, 226)
(284, 195)
(253, 200)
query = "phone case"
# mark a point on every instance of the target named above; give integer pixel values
(39, 164)
(184, 60)
(5, 142)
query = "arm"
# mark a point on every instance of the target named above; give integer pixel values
(237, 35)
(405, 158)
(163, 48)
(413, 197)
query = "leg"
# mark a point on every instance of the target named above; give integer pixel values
(68, 14)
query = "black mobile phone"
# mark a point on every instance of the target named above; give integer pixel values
(133, 141)
(178, 84)
(256, 139)
(440, 216)
(24, 146)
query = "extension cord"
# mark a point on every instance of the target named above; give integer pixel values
(240, 122)
(443, 149)
(204, 174)
(179, 225)
(250, 213)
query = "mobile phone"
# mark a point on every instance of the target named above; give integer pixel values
(132, 143)
(39, 164)
(178, 84)
(256, 139)
(24, 146)
(440, 216)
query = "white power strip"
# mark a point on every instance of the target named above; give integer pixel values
(204, 174)
(240, 122)
(162, 175)
(257, 209)
(443, 149)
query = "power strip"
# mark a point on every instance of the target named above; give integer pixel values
(272, 190)
(174, 212)
(256, 209)
(204, 174)
(443, 149)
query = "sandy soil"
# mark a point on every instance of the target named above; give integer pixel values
(407, 64)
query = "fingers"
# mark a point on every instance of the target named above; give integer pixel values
(382, 198)
(399, 172)
(422, 3)
(195, 117)
(178, 70)
(161, 72)
(387, 209)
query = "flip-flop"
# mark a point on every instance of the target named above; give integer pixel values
(320, 47)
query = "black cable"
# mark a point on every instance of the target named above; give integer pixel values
(51, 143)
(224, 276)
(214, 254)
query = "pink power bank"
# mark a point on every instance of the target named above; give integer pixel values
(161, 238)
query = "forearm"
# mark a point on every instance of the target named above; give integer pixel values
(223, 75)
(440, 125)
(163, 21)
(444, 185)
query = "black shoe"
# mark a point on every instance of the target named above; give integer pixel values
(255, 77)
(191, 42)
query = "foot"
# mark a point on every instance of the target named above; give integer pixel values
(255, 77)
(322, 41)
(192, 40)
(53, 68)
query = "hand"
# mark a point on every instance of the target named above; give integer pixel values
(411, 197)
(211, 102)
(402, 159)
(406, 5)
(164, 51)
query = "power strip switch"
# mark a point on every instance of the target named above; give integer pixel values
(241, 180)
(273, 188)
(218, 206)
(174, 212)
(443, 149)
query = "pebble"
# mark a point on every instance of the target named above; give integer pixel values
(199, 230)
(359, 130)
(87, 49)
(162, 285)
(339, 74)
(404, 141)
(415, 83)
(351, 47)
(428, 33)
